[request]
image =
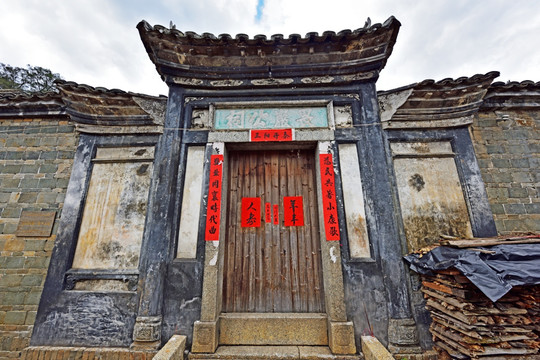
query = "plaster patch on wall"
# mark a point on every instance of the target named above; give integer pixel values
(115, 210)
(390, 103)
(213, 260)
(191, 204)
(317, 79)
(353, 196)
(156, 109)
(186, 303)
(102, 285)
(333, 256)
(272, 81)
(227, 82)
(430, 195)
(343, 116)
(200, 119)
(219, 147)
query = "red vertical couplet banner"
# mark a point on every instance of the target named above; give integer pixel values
(251, 212)
(267, 212)
(276, 214)
(293, 211)
(213, 208)
(328, 188)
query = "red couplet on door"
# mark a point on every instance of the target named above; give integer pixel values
(251, 212)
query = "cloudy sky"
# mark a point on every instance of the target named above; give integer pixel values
(95, 41)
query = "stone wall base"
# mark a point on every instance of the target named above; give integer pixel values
(64, 353)
(428, 355)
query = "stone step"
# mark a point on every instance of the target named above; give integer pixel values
(273, 329)
(273, 353)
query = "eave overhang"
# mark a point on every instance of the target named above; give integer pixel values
(17, 104)
(430, 104)
(101, 111)
(523, 95)
(207, 61)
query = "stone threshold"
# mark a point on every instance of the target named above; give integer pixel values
(279, 329)
(273, 353)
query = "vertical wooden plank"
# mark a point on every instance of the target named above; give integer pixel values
(239, 248)
(229, 264)
(315, 240)
(297, 159)
(250, 255)
(243, 284)
(303, 231)
(286, 298)
(276, 237)
(260, 260)
(293, 238)
(267, 248)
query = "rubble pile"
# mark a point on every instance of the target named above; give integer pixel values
(467, 324)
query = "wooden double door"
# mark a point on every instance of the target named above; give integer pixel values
(272, 258)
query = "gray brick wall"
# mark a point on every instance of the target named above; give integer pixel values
(507, 145)
(36, 156)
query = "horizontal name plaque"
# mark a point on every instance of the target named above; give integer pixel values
(271, 118)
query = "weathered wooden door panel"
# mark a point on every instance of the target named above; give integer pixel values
(272, 268)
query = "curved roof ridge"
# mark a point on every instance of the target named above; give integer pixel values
(19, 96)
(225, 61)
(515, 85)
(268, 40)
(72, 85)
(463, 80)
(435, 104)
(513, 95)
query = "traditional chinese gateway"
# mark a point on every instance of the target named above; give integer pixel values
(268, 201)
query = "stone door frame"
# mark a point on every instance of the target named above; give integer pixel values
(341, 338)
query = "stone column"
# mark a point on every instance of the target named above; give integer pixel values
(206, 330)
(340, 331)
(159, 228)
(402, 332)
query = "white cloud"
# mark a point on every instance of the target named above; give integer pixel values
(95, 41)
